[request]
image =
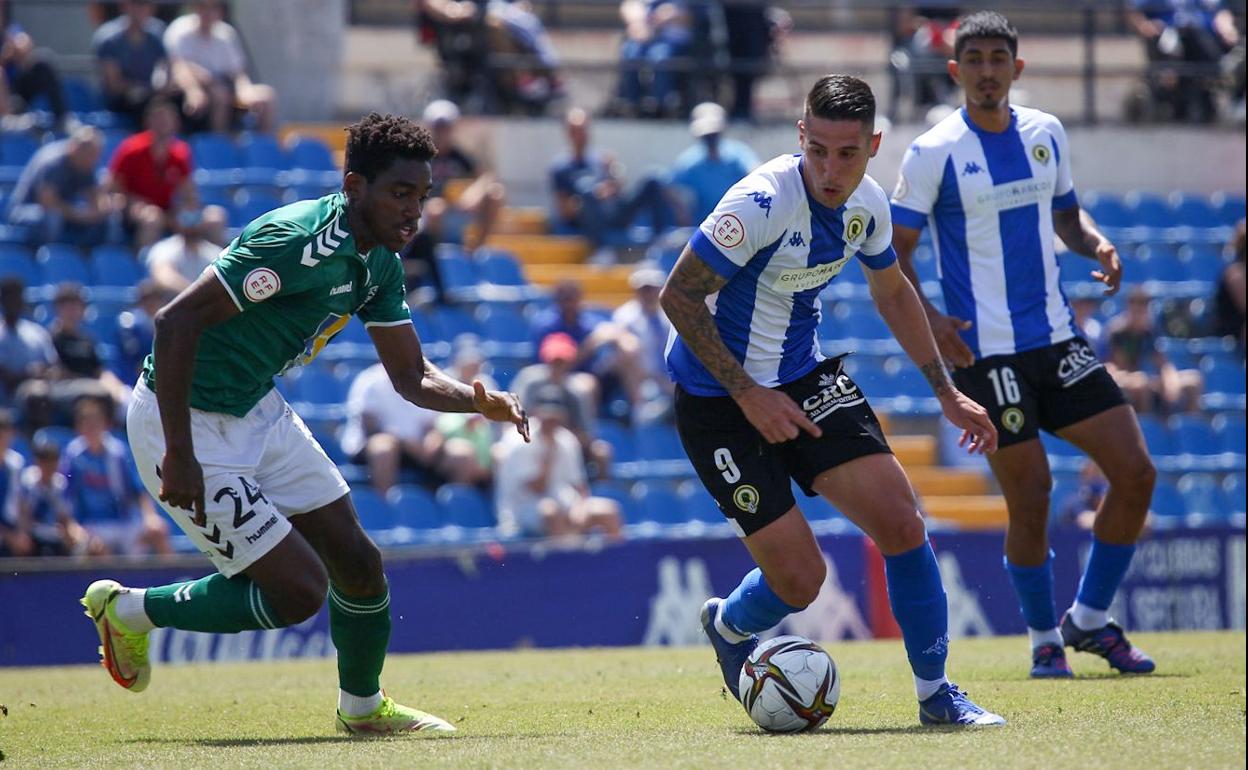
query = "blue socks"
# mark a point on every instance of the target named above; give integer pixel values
(1034, 586)
(753, 606)
(1107, 563)
(918, 600)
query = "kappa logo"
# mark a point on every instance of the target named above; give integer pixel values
(260, 284)
(324, 244)
(764, 202)
(1041, 154)
(939, 647)
(797, 240)
(729, 232)
(971, 168)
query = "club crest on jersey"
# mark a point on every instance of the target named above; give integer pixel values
(260, 284)
(729, 232)
(746, 498)
(1013, 419)
(855, 226)
(902, 189)
(1041, 154)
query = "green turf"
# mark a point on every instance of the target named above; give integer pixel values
(637, 708)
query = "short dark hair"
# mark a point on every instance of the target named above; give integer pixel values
(981, 25)
(376, 141)
(841, 97)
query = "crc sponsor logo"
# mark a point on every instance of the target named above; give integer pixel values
(260, 284)
(1078, 363)
(801, 279)
(265, 527)
(729, 232)
(838, 391)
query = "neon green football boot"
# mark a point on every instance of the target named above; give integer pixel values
(122, 652)
(391, 718)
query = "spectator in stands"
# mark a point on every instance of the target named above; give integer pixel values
(1147, 377)
(104, 489)
(713, 163)
(58, 198)
(13, 540)
(387, 432)
(27, 74)
(176, 260)
(552, 380)
(643, 317)
(1186, 33)
(131, 59)
(463, 443)
(210, 68)
(1087, 320)
(655, 33)
(922, 43)
(1080, 508)
(152, 172)
(603, 348)
(44, 514)
(541, 490)
(756, 33)
(1228, 304)
(136, 330)
(26, 350)
(81, 368)
(461, 191)
(590, 197)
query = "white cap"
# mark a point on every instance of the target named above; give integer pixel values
(441, 111)
(707, 118)
(647, 276)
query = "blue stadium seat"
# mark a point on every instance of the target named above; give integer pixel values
(415, 507)
(451, 322)
(621, 493)
(215, 152)
(1229, 206)
(262, 152)
(659, 503)
(1168, 501)
(658, 441)
(620, 438)
(17, 148)
(502, 269)
(860, 321)
(1204, 261)
(103, 325)
(115, 266)
(1193, 211)
(250, 204)
(459, 274)
(61, 262)
(1157, 437)
(1108, 210)
(319, 385)
(354, 333)
(829, 325)
(465, 506)
(698, 505)
(504, 324)
(18, 261)
(1063, 456)
(376, 514)
(1224, 383)
(310, 154)
(1149, 210)
(1202, 495)
(1233, 493)
(57, 434)
(1228, 428)
(81, 95)
(1194, 440)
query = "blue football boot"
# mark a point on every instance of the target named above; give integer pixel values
(951, 706)
(731, 656)
(1048, 661)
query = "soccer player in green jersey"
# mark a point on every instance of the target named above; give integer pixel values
(239, 471)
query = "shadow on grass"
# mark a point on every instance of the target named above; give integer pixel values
(311, 740)
(832, 731)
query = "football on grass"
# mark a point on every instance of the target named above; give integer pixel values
(789, 684)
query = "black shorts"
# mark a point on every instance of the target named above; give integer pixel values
(749, 477)
(1047, 388)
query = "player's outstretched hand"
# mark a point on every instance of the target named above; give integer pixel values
(979, 435)
(945, 329)
(182, 484)
(500, 407)
(1110, 273)
(774, 414)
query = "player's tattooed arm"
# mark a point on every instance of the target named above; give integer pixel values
(937, 377)
(684, 300)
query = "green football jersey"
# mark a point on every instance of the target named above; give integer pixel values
(297, 278)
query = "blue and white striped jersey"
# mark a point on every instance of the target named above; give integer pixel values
(778, 248)
(990, 199)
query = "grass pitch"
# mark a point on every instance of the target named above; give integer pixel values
(646, 708)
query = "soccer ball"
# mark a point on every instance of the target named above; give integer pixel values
(789, 684)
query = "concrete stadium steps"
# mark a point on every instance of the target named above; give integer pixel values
(967, 511)
(515, 220)
(915, 451)
(543, 249)
(605, 285)
(936, 481)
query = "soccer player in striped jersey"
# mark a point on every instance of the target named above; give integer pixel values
(994, 183)
(757, 404)
(239, 471)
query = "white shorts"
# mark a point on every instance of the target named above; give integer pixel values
(258, 470)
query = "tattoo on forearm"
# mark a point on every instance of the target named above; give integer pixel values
(688, 287)
(937, 377)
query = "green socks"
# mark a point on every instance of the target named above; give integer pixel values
(215, 604)
(360, 630)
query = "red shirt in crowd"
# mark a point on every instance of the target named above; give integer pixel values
(137, 172)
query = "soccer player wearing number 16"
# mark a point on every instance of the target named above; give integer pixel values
(239, 471)
(995, 183)
(758, 404)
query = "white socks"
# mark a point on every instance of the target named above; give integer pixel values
(130, 610)
(357, 706)
(1048, 636)
(725, 630)
(1088, 618)
(926, 688)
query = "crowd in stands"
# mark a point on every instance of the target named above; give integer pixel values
(104, 225)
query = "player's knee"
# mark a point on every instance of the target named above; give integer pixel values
(901, 533)
(1136, 476)
(303, 598)
(365, 577)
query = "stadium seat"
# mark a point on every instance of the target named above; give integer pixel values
(659, 503)
(860, 321)
(319, 385)
(1188, 210)
(61, 262)
(658, 441)
(1063, 456)
(1149, 210)
(115, 266)
(415, 507)
(81, 95)
(1168, 501)
(57, 434)
(465, 506)
(16, 150)
(1108, 210)
(1229, 430)
(1233, 493)
(18, 261)
(1204, 261)
(310, 154)
(621, 493)
(1224, 383)
(1229, 206)
(1194, 441)
(623, 445)
(459, 275)
(1202, 495)
(503, 324)
(502, 269)
(261, 153)
(251, 203)
(354, 333)
(376, 514)
(452, 322)
(698, 505)
(215, 152)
